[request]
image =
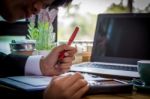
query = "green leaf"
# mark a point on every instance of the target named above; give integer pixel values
(42, 35)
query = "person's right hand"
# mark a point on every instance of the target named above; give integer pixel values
(67, 87)
(49, 65)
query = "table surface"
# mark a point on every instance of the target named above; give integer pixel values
(133, 95)
(119, 96)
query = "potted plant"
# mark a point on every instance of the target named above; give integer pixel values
(43, 34)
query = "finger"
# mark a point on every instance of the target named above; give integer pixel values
(62, 68)
(70, 48)
(54, 77)
(77, 86)
(72, 79)
(65, 67)
(73, 58)
(64, 71)
(65, 47)
(80, 92)
(68, 59)
(66, 81)
(59, 80)
(70, 52)
(62, 78)
(60, 48)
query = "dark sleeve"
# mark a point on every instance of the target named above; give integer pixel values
(12, 64)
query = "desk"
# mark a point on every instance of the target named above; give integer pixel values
(133, 96)
(11, 93)
(7, 92)
(119, 96)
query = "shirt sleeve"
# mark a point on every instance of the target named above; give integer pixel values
(32, 66)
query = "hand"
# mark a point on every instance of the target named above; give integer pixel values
(68, 87)
(49, 65)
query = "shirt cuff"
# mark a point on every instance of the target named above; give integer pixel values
(32, 66)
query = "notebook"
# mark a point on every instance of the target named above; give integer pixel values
(97, 84)
(39, 83)
(26, 83)
(120, 41)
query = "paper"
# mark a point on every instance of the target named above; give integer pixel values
(87, 77)
(32, 80)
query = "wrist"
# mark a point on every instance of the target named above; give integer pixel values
(42, 65)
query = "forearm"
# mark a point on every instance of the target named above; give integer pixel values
(11, 65)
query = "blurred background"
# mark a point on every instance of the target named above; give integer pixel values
(58, 24)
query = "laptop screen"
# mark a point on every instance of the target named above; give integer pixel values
(122, 38)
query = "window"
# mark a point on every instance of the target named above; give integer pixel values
(83, 13)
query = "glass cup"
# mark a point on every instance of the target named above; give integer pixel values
(24, 47)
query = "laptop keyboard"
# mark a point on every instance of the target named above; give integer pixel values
(106, 66)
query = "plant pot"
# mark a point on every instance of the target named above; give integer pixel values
(43, 52)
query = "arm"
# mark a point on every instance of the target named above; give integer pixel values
(12, 65)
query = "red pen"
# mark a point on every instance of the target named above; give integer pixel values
(72, 37)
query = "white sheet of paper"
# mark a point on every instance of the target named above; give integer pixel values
(33, 80)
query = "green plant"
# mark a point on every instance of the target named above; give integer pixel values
(42, 34)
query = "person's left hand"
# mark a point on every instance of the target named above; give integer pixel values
(49, 65)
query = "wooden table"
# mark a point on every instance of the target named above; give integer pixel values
(119, 96)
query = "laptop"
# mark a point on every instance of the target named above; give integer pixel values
(120, 41)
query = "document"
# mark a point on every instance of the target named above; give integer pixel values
(35, 83)
(27, 83)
